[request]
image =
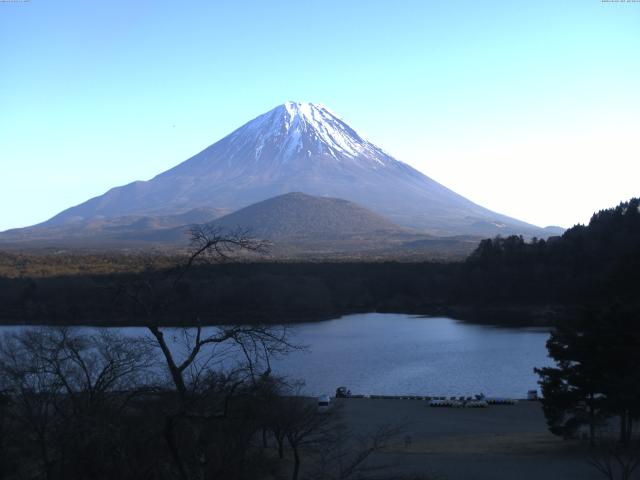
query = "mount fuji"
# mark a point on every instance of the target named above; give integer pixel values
(296, 147)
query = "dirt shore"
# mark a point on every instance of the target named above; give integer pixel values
(494, 443)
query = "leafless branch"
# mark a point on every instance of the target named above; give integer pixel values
(215, 243)
(615, 461)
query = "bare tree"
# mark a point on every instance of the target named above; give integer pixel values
(32, 391)
(304, 428)
(331, 451)
(63, 389)
(615, 461)
(348, 455)
(194, 355)
(4, 433)
(255, 343)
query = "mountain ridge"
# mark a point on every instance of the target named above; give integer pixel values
(294, 225)
(299, 147)
(297, 214)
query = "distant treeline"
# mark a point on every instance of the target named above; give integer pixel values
(233, 292)
(589, 265)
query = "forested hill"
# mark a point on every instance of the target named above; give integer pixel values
(599, 262)
(505, 280)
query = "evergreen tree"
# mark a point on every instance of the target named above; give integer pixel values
(596, 376)
(572, 391)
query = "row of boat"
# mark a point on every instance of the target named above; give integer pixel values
(479, 401)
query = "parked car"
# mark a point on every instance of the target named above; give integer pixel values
(324, 403)
(342, 392)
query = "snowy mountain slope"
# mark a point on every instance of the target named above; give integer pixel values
(300, 147)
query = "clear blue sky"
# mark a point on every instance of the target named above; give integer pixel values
(528, 108)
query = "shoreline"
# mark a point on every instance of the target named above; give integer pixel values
(506, 316)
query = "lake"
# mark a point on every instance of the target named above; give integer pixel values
(397, 354)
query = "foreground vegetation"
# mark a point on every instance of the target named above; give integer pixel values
(103, 406)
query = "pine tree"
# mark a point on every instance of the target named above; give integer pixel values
(596, 376)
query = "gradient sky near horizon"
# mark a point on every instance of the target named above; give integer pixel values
(531, 109)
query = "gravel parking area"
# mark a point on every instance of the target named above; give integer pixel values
(493, 443)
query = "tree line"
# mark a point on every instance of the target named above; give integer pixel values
(593, 264)
(595, 383)
(588, 265)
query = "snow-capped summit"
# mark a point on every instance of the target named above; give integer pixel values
(300, 147)
(328, 132)
(304, 130)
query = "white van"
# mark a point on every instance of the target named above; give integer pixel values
(324, 403)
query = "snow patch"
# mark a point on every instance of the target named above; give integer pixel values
(307, 128)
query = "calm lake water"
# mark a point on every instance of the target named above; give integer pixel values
(393, 354)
